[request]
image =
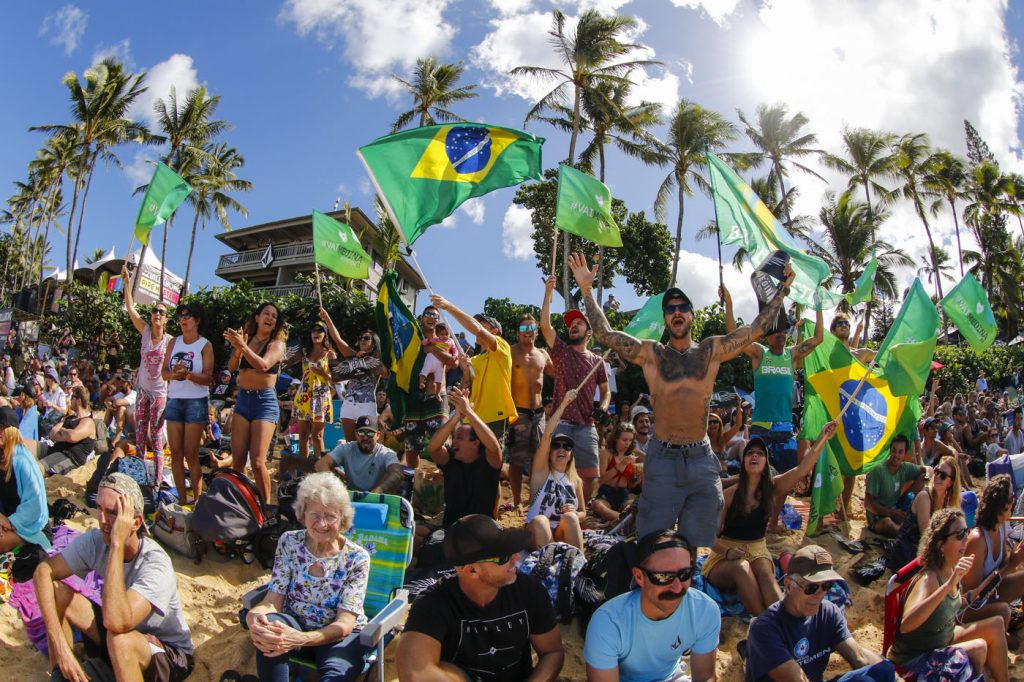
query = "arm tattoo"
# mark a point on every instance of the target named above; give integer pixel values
(625, 345)
(735, 341)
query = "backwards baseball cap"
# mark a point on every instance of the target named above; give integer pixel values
(125, 485)
(930, 422)
(675, 292)
(476, 537)
(8, 417)
(574, 315)
(365, 422)
(756, 440)
(814, 564)
(481, 317)
(27, 389)
(657, 540)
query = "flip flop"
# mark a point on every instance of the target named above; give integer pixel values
(231, 676)
(851, 546)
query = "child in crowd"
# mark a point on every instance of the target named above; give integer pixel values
(432, 375)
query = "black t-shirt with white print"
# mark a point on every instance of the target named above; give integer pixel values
(489, 643)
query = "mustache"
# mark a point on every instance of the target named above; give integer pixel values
(672, 596)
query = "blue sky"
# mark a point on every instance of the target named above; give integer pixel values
(305, 82)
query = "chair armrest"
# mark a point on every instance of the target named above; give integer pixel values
(388, 619)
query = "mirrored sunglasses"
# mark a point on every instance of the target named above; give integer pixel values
(665, 578)
(527, 327)
(673, 308)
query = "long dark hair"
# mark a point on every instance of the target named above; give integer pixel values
(935, 534)
(997, 494)
(279, 333)
(375, 340)
(765, 493)
(307, 344)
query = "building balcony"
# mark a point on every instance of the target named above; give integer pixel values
(232, 265)
(301, 290)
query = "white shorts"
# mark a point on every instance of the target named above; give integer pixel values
(353, 410)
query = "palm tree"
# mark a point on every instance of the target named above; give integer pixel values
(847, 243)
(867, 157)
(1017, 197)
(593, 53)
(693, 131)
(188, 128)
(213, 182)
(433, 91)
(941, 259)
(913, 162)
(781, 140)
(391, 240)
(96, 254)
(99, 108)
(946, 177)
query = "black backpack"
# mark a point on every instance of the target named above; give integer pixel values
(557, 565)
(230, 514)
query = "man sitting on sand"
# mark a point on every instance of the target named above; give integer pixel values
(793, 638)
(140, 630)
(885, 499)
(641, 635)
(368, 466)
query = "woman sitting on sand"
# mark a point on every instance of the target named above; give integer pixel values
(993, 552)
(934, 600)
(740, 559)
(73, 438)
(23, 510)
(619, 473)
(943, 491)
(558, 504)
(316, 593)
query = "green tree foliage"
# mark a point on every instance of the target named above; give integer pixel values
(433, 90)
(94, 314)
(962, 364)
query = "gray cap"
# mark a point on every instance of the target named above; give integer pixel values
(123, 484)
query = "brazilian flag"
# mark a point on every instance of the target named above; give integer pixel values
(862, 440)
(401, 343)
(424, 174)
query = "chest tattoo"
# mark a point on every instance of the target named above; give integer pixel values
(689, 364)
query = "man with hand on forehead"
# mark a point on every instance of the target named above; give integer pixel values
(140, 629)
(682, 482)
(793, 638)
(642, 634)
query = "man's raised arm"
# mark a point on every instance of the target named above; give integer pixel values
(628, 347)
(732, 344)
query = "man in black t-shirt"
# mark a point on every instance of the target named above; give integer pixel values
(481, 623)
(471, 464)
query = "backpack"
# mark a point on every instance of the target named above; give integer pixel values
(590, 588)
(172, 526)
(102, 444)
(135, 468)
(230, 514)
(557, 565)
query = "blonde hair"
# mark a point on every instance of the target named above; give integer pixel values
(12, 439)
(953, 494)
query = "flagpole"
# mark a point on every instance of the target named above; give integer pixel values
(316, 271)
(856, 390)
(718, 230)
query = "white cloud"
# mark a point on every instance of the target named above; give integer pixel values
(602, 6)
(379, 37)
(65, 27)
(140, 170)
(516, 231)
(698, 277)
(520, 40)
(718, 11)
(474, 208)
(121, 51)
(177, 70)
(664, 90)
(507, 7)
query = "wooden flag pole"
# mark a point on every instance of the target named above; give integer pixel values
(316, 272)
(554, 249)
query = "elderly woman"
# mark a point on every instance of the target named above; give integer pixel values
(315, 597)
(23, 510)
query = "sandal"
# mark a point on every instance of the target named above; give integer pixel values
(231, 676)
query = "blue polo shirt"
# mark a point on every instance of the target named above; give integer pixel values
(776, 636)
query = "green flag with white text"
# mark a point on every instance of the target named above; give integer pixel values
(967, 306)
(649, 321)
(337, 248)
(585, 208)
(865, 284)
(905, 356)
(165, 192)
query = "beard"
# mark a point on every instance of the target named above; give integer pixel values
(682, 333)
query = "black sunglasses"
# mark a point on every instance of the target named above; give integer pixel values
(942, 475)
(960, 534)
(665, 578)
(813, 588)
(562, 445)
(672, 308)
(366, 337)
(184, 316)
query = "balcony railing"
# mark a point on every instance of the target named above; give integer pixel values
(302, 290)
(289, 254)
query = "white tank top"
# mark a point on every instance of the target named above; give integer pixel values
(556, 492)
(191, 354)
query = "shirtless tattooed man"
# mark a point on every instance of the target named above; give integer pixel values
(681, 474)
(528, 368)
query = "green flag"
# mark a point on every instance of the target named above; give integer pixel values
(424, 174)
(164, 194)
(826, 486)
(585, 207)
(905, 356)
(968, 307)
(337, 248)
(649, 322)
(865, 284)
(743, 219)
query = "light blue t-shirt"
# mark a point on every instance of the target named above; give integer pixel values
(29, 424)
(620, 635)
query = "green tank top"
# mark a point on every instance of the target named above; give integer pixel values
(935, 633)
(773, 386)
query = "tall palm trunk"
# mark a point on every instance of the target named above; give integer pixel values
(956, 224)
(782, 191)
(931, 244)
(577, 95)
(46, 238)
(600, 248)
(81, 209)
(191, 246)
(71, 213)
(679, 229)
(871, 216)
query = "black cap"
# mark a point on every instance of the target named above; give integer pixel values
(475, 537)
(192, 308)
(365, 422)
(756, 440)
(27, 389)
(929, 422)
(8, 417)
(657, 540)
(562, 438)
(675, 292)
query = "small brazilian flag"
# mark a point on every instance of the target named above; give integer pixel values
(862, 440)
(164, 193)
(424, 174)
(401, 343)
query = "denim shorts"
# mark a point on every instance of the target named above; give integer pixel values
(187, 410)
(257, 405)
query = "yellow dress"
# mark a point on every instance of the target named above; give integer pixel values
(313, 400)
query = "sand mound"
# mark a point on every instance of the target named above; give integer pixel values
(211, 593)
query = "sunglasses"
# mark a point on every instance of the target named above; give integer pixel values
(431, 315)
(960, 534)
(942, 475)
(365, 433)
(366, 337)
(185, 316)
(814, 588)
(561, 445)
(527, 327)
(673, 308)
(841, 323)
(665, 578)
(160, 311)
(319, 330)
(499, 560)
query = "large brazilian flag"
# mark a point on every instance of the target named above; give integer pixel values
(401, 343)
(862, 440)
(424, 174)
